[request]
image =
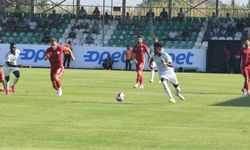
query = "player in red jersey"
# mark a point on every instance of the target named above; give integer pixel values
(244, 54)
(54, 54)
(139, 51)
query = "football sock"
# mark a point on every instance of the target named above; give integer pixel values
(54, 85)
(5, 84)
(138, 78)
(15, 81)
(152, 75)
(141, 79)
(177, 89)
(58, 83)
(246, 85)
(167, 89)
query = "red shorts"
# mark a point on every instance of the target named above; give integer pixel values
(1, 76)
(139, 66)
(245, 71)
(58, 72)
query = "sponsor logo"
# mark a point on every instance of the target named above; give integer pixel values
(182, 58)
(31, 54)
(95, 56)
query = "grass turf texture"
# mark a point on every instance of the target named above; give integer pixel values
(87, 117)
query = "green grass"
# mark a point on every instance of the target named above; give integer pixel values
(87, 117)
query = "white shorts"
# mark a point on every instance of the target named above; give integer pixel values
(168, 75)
(7, 70)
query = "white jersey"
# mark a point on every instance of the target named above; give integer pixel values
(161, 62)
(163, 70)
(11, 58)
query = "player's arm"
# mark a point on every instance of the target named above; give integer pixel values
(168, 61)
(150, 62)
(133, 55)
(238, 54)
(47, 55)
(9, 64)
(148, 53)
(70, 51)
(170, 64)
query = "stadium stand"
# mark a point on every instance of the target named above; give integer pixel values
(19, 31)
(194, 32)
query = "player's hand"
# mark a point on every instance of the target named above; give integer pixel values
(47, 57)
(73, 58)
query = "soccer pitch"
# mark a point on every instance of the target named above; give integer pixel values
(87, 116)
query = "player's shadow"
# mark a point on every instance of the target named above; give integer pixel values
(237, 102)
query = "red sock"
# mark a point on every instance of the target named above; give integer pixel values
(138, 78)
(58, 83)
(54, 85)
(141, 79)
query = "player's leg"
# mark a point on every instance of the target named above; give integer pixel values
(167, 89)
(57, 78)
(6, 85)
(246, 80)
(152, 75)
(53, 79)
(141, 79)
(64, 61)
(247, 83)
(141, 67)
(1, 80)
(137, 84)
(7, 71)
(68, 60)
(16, 73)
(127, 64)
(173, 79)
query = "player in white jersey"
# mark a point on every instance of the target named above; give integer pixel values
(153, 65)
(166, 71)
(10, 65)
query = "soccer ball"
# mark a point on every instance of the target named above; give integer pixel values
(120, 96)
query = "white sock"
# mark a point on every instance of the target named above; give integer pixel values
(15, 81)
(167, 89)
(6, 87)
(152, 75)
(177, 90)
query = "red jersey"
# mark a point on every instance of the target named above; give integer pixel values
(245, 57)
(139, 52)
(55, 58)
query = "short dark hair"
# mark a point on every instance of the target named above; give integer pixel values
(158, 44)
(140, 37)
(12, 45)
(53, 40)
